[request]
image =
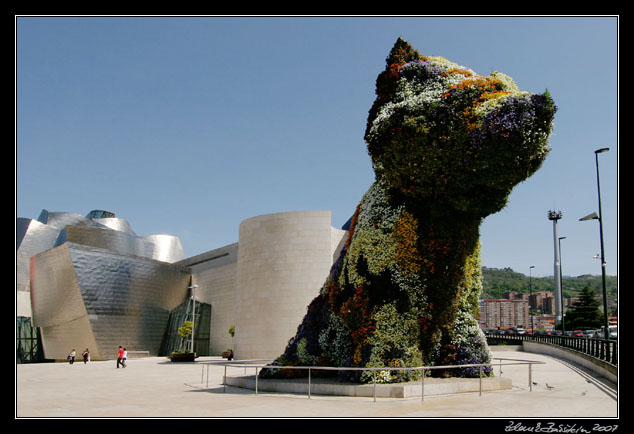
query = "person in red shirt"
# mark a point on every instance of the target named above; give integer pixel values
(120, 357)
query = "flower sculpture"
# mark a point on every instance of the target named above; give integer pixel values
(447, 146)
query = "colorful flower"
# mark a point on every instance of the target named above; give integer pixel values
(447, 146)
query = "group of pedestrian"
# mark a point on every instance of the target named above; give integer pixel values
(122, 356)
(85, 355)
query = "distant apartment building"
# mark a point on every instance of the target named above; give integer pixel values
(543, 301)
(503, 313)
(514, 295)
(548, 305)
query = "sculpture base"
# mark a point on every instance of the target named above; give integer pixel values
(322, 386)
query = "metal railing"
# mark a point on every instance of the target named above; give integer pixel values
(600, 349)
(244, 364)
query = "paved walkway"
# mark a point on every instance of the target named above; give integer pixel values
(156, 388)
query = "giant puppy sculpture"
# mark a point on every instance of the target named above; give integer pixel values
(447, 146)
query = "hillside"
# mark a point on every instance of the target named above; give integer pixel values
(496, 281)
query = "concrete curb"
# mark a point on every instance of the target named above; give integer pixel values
(432, 386)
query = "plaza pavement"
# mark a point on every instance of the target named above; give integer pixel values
(156, 388)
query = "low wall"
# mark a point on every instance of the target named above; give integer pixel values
(320, 386)
(506, 347)
(600, 367)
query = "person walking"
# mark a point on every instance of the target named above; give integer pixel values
(71, 357)
(119, 356)
(125, 357)
(86, 355)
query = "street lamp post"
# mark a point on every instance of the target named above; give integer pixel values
(599, 217)
(555, 216)
(530, 296)
(193, 288)
(561, 288)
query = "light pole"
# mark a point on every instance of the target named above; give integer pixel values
(594, 216)
(555, 216)
(530, 296)
(193, 288)
(561, 287)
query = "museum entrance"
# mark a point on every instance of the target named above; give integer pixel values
(202, 320)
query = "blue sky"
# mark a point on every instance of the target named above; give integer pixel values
(189, 125)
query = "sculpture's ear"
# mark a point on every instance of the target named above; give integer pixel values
(401, 53)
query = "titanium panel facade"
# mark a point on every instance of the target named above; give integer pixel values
(32, 237)
(99, 229)
(162, 247)
(60, 219)
(87, 297)
(116, 241)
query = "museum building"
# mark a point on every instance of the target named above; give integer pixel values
(91, 282)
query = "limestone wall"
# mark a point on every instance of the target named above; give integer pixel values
(283, 260)
(215, 273)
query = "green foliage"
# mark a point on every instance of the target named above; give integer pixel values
(585, 313)
(497, 281)
(447, 146)
(185, 329)
(394, 343)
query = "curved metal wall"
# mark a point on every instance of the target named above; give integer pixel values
(60, 219)
(53, 230)
(86, 297)
(116, 241)
(116, 224)
(162, 247)
(32, 237)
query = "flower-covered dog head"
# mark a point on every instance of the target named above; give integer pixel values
(440, 132)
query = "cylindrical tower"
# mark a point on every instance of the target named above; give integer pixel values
(283, 261)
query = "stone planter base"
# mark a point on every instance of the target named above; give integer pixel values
(182, 357)
(324, 386)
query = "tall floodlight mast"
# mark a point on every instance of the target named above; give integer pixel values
(555, 216)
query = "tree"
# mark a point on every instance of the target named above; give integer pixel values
(584, 313)
(184, 331)
(232, 332)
